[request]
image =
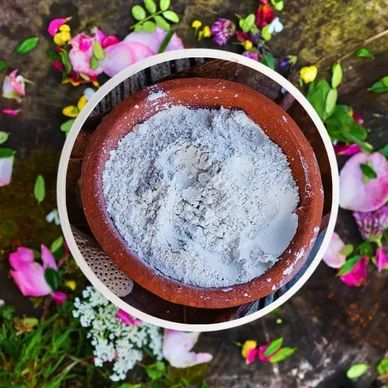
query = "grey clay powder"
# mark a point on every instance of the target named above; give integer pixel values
(203, 196)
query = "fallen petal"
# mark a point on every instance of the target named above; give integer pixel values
(11, 112)
(54, 25)
(333, 256)
(350, 149)
(357, 195)
(127, 319)
(381, 259)
(59, 297)
(357, 277)
(6, 166)
(47, 258)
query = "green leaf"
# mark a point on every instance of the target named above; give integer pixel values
(138, 27)
(356, 371)
(27, 45)
(138, 12)
(246, 24)
(348, 266)
(269, 60)
(164, 5)
(368, 172)
(66, 126)
(363, 52)
(384, 150)
(6, 152)
(57, 244)
(66, 61)
(278, 4)
(273, 346)
(39, 188)
(347, 250)
(94, 63)
(171, 16)
(3, 137)
(380, 86)
(337, 75)
(382, 367)
(265, 33)
(52, 278)
(365, 249)
(317, 94)
(281, 355)
(166, 41)
(150, 6)
(2, 65)
(331, 100)
(98, 51)
(155, 371)
(149, 26)
(162, 23)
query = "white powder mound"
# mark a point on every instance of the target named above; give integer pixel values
(203, 196)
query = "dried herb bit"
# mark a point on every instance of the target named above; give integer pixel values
(27, 45)
(363, 52)
(380, 86)
(368, 172)
(356, 371)
(39, 188)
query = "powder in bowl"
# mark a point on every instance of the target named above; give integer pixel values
(202, 195)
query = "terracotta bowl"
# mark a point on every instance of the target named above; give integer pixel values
(206, 93)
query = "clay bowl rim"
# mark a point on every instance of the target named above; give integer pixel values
(310, 208)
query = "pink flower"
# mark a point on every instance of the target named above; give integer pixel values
(55, 24)
(11, 112)
(358, 275)
(6, 166)
(222, 30)
(372, 224)
(127, 319)
(349, 149)
(251, 54)
(252, 354)
(177, 346)
(103, 39)
(265, 14)
(333, 256)
(29, 275)
(357, 195)
(136, 46)
(261, 356)
(14, 86)
(357, 118)
(381, 259)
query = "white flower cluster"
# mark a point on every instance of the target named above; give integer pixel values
(114, 341)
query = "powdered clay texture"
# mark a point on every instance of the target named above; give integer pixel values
(203, 196)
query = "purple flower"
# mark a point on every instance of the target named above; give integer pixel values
(372, 224)
(222, 30)
(251, 54)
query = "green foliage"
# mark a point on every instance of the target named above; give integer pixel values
(66, 126)
(278, 4)
(363, 52)
(282, 354)
(153, 15)
(380, 86)
(317, 94)
(3, 137)
(2, 65)
(27, 45)
(273, 347)
(356, 371)
(269, 60)
(155, 371)
(382, 367)
(52, 278)
(39, 188)
(384, 150)
(247, 24)
(368, 172)
(349, 265)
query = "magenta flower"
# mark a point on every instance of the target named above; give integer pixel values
(6, 166)
(372, 224)
(29, 275)
(105, 40)
(14, 86)
(358, 275)
(251, 356)
(251, 54)
(135, 46)
(222, 30)
(381, 259)
(261, 356)
(333, 256)
(265, 14)
(177, 346)
(357, 195)
(11, 112)
(127, 319)
(347, 149)
(55, 24)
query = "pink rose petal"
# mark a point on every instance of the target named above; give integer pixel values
(55, 24)
(59, 297)
(381, 259)
(261, 355)
(360, 196)
(6, 167)
(11, 112)
(47, 258)
(127, 319)
(14, 86)
(251, 355)
(20, 258)
(351, 149)
(31, 280)
(109, 41)
(177, 346)
(357, 277)
(333, 257)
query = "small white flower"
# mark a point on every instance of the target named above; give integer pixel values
(53, 216)
(275, 26)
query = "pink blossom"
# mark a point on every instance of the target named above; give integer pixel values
(251, 54)
(381, 259)
(261, 356)
(6, 166)
(135, 46)
(11, 112)
(29, 275)
(357, 195)
(265, 14)
(357, 277)
(127, 319)
(57, 65)
(103, 39)
(347, 149)
(357, 118)
(55, 24)
(252, 354)
(14, 86)
(177, 346)
(333, 256)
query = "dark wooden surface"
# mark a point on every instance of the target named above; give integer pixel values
(332, 325)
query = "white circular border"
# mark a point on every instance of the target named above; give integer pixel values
(84, 114)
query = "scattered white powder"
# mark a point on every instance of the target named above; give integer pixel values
(203, 196)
